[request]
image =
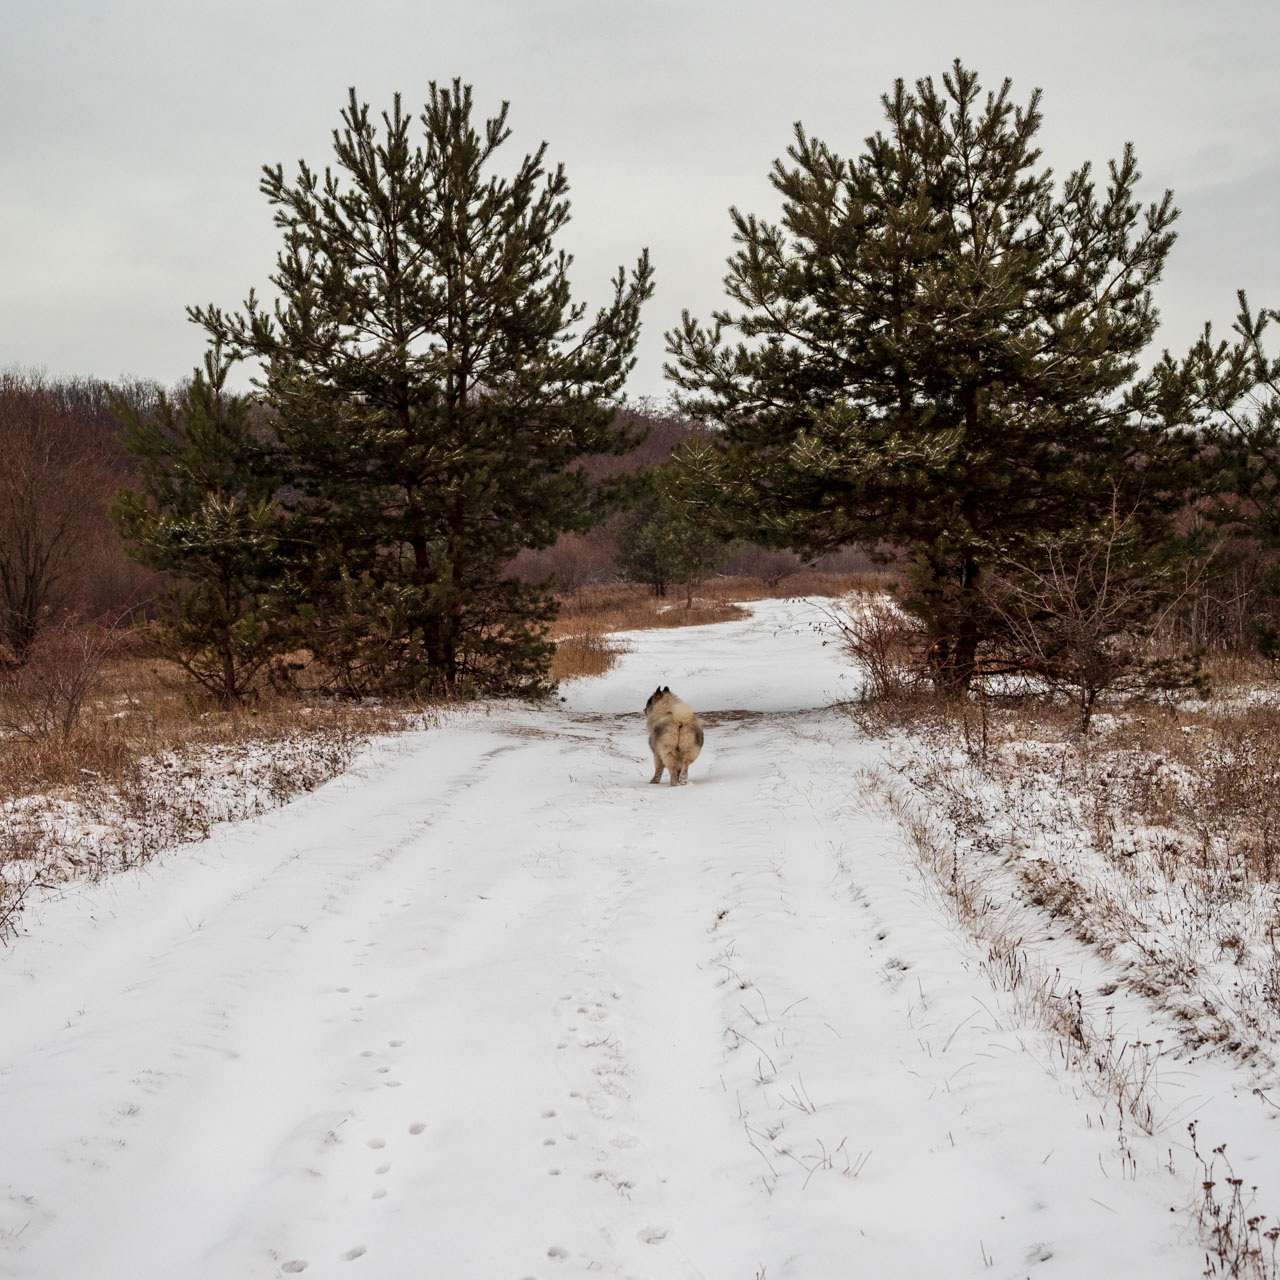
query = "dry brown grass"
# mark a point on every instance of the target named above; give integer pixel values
(147, 764)
(142, 708)
(589, 652)
(1155, 838)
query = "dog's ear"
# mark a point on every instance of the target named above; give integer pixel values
(666, 688)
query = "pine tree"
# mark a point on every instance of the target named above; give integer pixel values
(433, 388)
(1237, 383)
(662, 543)
(938, 351)
(203, 513)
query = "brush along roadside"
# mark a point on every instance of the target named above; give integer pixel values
(146, 766)
(1155, 841)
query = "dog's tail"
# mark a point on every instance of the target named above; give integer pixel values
(688, 741)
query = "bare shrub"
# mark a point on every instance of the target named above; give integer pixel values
(884, 642)
(45, 696)
(575, 560)
(769, 565)
(1082, 622)
(859, 563)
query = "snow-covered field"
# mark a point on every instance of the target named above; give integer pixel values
(492, 1006)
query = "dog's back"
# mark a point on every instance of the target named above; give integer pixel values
(675, 735)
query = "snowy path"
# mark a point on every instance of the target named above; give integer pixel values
(494, 1007)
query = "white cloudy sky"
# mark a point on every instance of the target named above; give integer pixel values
(135, 129)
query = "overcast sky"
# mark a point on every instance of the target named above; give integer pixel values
(135, 131)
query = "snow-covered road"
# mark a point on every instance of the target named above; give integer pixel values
(495, 1007)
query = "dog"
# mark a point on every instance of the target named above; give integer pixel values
(675, 735)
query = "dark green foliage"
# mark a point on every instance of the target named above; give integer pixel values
(938, 352)
(203, 514)
(433, 390)
(661, 542)
(1239, 388)
(1266, 635)
(1237, 384)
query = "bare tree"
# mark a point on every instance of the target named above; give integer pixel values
(1082, 619)
(54, 484)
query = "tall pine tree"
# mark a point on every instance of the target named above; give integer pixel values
(937, 349)
(433, 388)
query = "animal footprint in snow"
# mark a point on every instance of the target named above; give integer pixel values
(548, 1113)
(383, 1168)
(293, 1267)
(652, 1235)
(417, 1127)
(560, 1254)
(376, 1143)
(395, 1044)
(356, 1251)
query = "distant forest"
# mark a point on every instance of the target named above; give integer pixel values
(61, 557)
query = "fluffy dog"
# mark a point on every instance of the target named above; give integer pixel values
(675, 735)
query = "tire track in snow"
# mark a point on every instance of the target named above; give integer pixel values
(213, 1009)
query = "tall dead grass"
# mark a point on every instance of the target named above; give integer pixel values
(145, 764)
(1155, 838)
(589, 652)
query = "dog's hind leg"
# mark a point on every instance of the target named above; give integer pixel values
(657, 768)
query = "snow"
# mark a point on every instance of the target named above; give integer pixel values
(492, 1006)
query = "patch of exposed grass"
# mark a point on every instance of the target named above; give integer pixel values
(147, 764)
(586, 653)
(1155, 838)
